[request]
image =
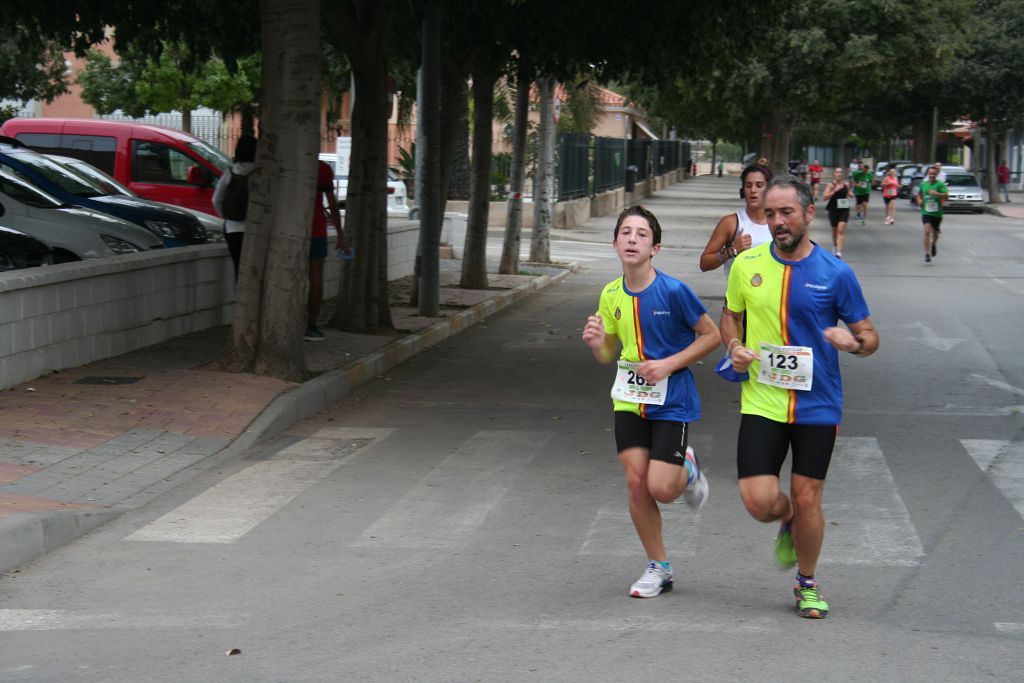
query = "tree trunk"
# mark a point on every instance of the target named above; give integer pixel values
(474, 257)
(991, 142)
(186, 119)
(266, 334)
(430, 199)
(454, 125)
(361, 26)
(781, 129)
(544, 178)
(922, 126)
(514, 217)
(459, 168)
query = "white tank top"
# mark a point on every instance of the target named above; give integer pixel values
(759, 234)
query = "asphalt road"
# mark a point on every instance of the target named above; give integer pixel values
(463, 518)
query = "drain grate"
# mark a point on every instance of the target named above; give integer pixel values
(107, 380)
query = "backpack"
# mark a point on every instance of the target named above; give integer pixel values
(236, 198)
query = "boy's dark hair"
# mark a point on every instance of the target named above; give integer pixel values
(638, 210)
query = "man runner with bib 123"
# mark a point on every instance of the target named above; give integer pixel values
(663, 328)
(793, 293)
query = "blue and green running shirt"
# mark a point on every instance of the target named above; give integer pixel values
(651, 325)
(790, 303)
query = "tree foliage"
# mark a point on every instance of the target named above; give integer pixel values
(31, 64)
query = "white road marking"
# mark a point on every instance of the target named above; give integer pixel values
(445, 507)
(67, 620)
(866, 521)
(1010, 627)
(234, 507)
(1003, 462)
(930, 338)
(997, 384)
(612, 533)
(636, 624)
(231, 509)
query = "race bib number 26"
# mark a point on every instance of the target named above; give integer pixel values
(631, 387)
(787, 367)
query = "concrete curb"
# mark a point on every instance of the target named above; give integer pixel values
(26, 537)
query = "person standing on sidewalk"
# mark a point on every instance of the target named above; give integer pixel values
(742, 230)
(862, 190)
(234, 228)
(318, 245)
(890, 190)
(1003, 179)
(932, 194)
(793, 294)
(837, 196)
(663, 329)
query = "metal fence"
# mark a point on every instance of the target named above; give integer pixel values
(609, 164)
(573, 166)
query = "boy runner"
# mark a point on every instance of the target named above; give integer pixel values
(932, 193)
(663, 328)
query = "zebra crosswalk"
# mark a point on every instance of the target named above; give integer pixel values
(869, 523)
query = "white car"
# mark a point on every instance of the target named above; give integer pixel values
(73, 233)
(396, 202)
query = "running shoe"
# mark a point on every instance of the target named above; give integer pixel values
(809, 602)
(927, 258)
(696, 493)
(655, 581)
(313, 333)
(935, 249)
(785, 553)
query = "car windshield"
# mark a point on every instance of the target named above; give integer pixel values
(962, 179)
(909, 172)
(27, 194)
(97, 178)
(214, 156)
(57, 174)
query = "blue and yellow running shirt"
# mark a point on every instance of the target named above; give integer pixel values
(790, 303)
(651, 325)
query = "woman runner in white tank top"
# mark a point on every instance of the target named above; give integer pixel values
(742, 230)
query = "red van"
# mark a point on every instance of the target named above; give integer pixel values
(157, 163)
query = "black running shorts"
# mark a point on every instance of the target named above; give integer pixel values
(763, 445)
(838, 216)
(862, 198)
(663, 439)
(934, 221)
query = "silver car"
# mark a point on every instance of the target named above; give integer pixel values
(964, 190)
(73, 233)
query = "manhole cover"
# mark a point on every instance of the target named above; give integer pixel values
(107, 380)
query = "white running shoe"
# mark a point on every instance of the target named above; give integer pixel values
(655, 581)
(696, 493)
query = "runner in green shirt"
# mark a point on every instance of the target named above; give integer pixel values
(932, 194)
(862, 190)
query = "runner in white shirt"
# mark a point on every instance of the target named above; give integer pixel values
(742, 230)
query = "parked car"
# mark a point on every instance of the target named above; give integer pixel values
(157, 163)
(175, 227)
(71, 232)
(906, 174)
(880, 170)
(18, 250)
(396, 200)
(213, 226)
(964, 190)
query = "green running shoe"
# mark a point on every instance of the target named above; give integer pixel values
(809, 603)
(785, 553)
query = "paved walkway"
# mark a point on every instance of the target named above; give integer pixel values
(80, 446)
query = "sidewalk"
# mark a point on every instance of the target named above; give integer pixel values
(81, 446)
